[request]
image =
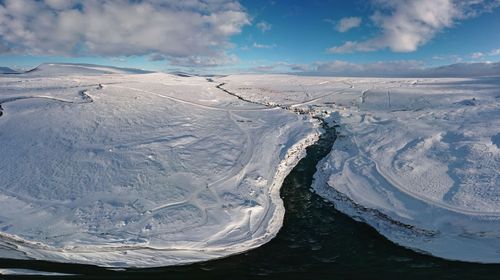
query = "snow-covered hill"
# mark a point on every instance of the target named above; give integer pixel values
(138, 170)
(65, 69)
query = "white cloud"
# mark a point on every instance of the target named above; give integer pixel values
(477, 55)
(484, 55)
(389, 68)
(263, 26)
(279, 67)
(204, 61)
(353, 46)
(192, 30)
(406, 25)
(263, 46)
(450, 57)
(348, 23)
(494, 52)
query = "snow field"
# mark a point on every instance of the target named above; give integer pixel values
(138, 170)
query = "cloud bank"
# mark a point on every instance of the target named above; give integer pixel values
(406, 25)
(492, 53)
(403, 68)
(193, 31)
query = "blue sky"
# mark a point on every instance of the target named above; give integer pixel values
(303, 31)
(249, 36)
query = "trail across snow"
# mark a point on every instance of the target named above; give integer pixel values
(138, 170)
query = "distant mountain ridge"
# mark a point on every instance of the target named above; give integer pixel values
(465, 70)
(405, 70)
(83, 68)
(7, 70)
(457, 70)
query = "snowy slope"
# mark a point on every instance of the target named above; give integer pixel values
(416, 159)
(137, 170)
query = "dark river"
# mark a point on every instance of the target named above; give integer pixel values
(316, 242)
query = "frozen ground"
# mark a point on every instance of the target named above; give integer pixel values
(417, 159)
(109, 167)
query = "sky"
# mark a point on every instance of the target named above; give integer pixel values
(227, 36)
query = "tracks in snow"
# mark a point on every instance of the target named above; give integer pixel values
(293, 108)
(85, 97)
(191, 102)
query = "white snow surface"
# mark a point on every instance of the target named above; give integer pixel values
(417, 159)
(138, 170)
(28, 272)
